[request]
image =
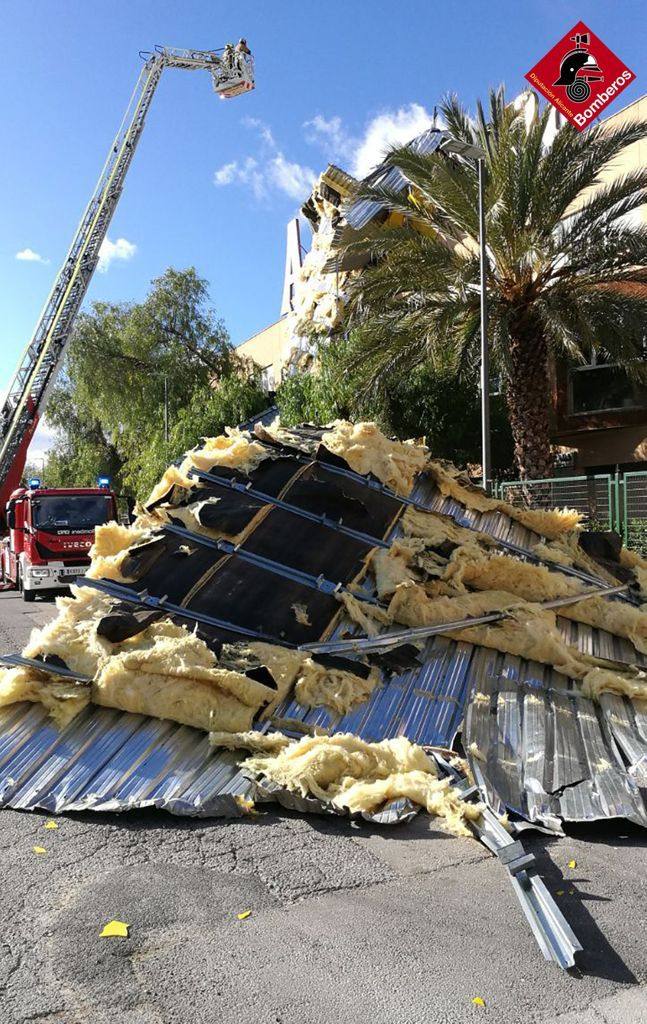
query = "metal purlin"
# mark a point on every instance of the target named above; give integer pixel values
(553, 934)
(160, 604)
(385, 641)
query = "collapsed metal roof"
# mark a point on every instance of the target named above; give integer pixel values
(537, 747)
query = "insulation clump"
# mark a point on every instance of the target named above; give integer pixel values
(318, 685)
(351, 774)
(366, 450)
(234, 450)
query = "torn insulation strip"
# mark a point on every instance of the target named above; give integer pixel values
(529, 631)
(361, 777)
(452, 483)
(475, 564)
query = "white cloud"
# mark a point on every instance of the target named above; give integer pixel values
(29, 256)
(248, 173)
(122, 249)
(225, 174)
(263, 129)
(294, 179)
(362, 153)
(331, 136)
(391, 128)
(268, 173)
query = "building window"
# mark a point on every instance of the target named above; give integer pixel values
(267, 378)
(603, 389)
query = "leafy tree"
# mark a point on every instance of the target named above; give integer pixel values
(427, 401)
(108, 409)
(566, 261)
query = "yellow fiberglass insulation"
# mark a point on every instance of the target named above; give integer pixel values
(530, 632)
(600, 680)
(366, 450)
(549, 523)
(358, 776)
(179, 678)
(165, 671)
(334, 688)
(236, 450)
(391, 567)
(315, 684)
(536, 583)
(435, 529)
(62, 698)
(566, 550)
(111, 544)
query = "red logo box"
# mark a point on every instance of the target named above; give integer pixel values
(580, 76)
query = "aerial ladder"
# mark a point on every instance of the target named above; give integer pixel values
(232, 72)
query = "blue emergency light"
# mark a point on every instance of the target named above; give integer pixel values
(103, 481)
(34, 482)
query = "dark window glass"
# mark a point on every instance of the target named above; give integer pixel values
(598, 388)
(79, 512)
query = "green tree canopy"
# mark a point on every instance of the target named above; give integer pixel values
(108, 409)
(428, 401)
(567, 260)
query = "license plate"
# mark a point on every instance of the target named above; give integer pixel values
(71, 572)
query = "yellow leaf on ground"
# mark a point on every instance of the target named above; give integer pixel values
(478, 1001)
(50, 824)
(115, 930)
(560, 892)
(39, 849)
(572, 863)
(244, 914)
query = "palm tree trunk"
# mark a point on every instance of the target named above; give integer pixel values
(528, 400)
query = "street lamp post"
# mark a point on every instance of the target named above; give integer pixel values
(470, 152)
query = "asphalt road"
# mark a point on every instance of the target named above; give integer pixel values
(356, 924)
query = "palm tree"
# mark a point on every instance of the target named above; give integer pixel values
(566, 260)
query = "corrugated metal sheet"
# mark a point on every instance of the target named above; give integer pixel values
(540, 749)
(425, 704)
(109, 760)
(364, 210)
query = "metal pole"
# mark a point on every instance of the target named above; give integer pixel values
(486, 460)
(165, 409)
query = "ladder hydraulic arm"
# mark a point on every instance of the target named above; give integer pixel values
(232, 72)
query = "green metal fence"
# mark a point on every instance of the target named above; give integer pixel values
(633, 503)
(606, 501)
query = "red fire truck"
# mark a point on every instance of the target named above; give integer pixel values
(50, 534)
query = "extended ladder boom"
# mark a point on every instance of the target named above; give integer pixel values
(232, 73)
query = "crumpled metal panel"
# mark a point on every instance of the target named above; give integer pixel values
(111, 760)
(108, 760)
(539, 749)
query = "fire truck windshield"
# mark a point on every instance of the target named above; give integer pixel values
(71, 512)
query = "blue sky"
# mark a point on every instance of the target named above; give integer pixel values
(213, 183)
